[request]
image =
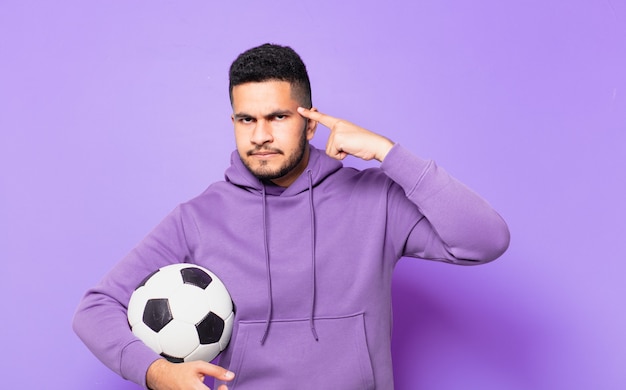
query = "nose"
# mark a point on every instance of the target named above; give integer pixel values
(262, 133)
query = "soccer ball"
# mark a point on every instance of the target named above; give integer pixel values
(183, 312)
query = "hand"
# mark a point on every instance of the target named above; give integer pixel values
(163, 375)
(349, 139)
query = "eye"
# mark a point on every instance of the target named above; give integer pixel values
(280, 117)
(246, 120)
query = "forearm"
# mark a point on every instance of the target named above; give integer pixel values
(470, 230)
(101, 324)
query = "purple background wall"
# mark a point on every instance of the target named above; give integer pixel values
(113, 112)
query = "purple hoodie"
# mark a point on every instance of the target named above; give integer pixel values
(309, 267)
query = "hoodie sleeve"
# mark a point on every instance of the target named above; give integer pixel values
(100, 319)
(458, 225)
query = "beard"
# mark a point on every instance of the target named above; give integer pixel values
(264, 172)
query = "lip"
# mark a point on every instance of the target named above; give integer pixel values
(263, 154)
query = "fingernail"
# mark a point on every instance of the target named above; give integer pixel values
(229, 375)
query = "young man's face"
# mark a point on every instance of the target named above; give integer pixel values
(271, 137)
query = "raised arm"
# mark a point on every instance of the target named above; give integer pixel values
(459, 226)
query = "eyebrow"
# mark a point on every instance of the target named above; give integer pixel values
(272, 114)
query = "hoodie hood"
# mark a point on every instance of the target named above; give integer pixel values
(319, 165)
(318, 168)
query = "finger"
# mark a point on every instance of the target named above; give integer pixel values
(333, 151)
(216, 371)
(317, 116)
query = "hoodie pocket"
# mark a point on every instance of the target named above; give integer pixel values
(291, 358)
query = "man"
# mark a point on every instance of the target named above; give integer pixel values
(305, 246)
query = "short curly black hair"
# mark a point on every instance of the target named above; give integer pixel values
(271, 62)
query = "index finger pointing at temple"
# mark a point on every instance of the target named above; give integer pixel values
(317, 116)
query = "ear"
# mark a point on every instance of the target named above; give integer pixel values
(311, 126)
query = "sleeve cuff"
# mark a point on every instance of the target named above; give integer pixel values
(136, 358)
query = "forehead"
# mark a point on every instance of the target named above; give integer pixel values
(261, 96)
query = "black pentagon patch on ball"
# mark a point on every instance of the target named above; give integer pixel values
(172, 358)
(210, 329)
(157, 314)
(196, 277)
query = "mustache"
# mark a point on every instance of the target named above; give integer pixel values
(264, 149)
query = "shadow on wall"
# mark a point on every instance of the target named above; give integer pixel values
(448, 339)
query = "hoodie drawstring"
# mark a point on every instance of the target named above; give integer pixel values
(267, 268)
(267, 263)
(312, 210)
